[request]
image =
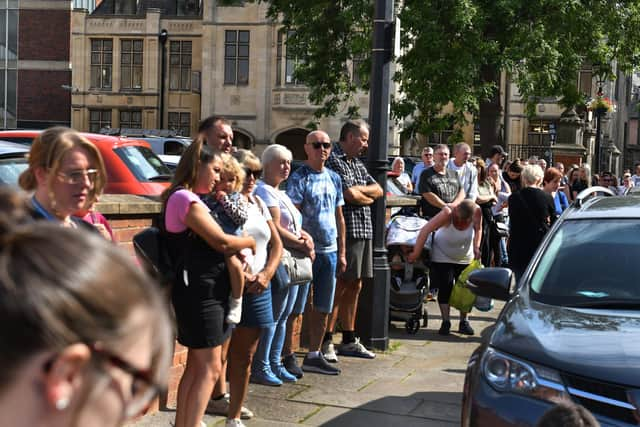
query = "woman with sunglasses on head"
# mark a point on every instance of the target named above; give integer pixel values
(200, 293)
(65, 173)
(86, 341)
(267, 366)
(257, 311)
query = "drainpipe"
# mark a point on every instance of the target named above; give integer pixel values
(162, 37)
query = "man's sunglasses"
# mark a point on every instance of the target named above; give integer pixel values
(317, 145)
(256, 173)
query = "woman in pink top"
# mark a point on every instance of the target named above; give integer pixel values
(200, 291)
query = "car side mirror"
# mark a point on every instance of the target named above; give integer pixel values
(493, 282)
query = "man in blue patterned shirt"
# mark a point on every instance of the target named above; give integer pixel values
(317, 192)
(359, 190)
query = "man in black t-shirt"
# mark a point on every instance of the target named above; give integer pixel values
(438, 185)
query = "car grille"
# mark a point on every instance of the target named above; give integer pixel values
(606, 399)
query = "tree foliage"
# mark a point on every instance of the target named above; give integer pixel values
(453, 51)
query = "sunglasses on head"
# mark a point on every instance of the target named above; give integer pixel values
(255, 173)
(317, 145)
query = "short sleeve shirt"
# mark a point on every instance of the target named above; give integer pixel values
(273, 197)
(353, 172)
(318, 194)
(446, 186)
(177, 207)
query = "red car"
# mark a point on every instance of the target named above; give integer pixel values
(132, 168)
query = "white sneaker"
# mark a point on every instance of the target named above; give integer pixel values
(234, 423)
(235, 311)
(355, 349)
(329, 352)
(221, 407)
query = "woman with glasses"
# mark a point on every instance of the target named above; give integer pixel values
(86, 341)
(200, 292)
(66, 173)
(257, 312)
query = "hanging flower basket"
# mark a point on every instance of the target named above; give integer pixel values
(601, 105)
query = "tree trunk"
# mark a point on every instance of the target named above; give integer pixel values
(489, 115)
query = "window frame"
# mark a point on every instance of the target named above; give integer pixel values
(182, 127)
(180, 62)
(102, 122)
(101, 68)
(133, 68)
(234, 57)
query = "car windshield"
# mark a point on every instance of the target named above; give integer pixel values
(143, 163)
(590, 263)
(10, 170)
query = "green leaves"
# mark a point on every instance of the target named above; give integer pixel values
(449, 45)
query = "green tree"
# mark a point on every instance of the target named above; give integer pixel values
(454, 52)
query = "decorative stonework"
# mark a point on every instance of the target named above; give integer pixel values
(180, 27)
(276, 99)
(234, 99)
(295, 99)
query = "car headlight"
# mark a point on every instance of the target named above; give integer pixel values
(508, 374)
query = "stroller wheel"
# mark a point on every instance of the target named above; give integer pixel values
(412, 326)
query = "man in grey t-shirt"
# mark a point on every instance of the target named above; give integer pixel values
(438, 185)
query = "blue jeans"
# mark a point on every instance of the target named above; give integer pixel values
(272, 337)
(301, 299)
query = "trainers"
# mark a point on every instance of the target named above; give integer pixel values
(265, 377)
(284, 375)
(329, 352)
(220, 406)
(291, 365)
(355, 349)
(445, 327)
(465, 328)
(319, 365)
(234, 423)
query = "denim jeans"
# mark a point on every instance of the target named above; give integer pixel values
(272, 337)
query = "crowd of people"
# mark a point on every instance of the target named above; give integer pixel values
(99, 338)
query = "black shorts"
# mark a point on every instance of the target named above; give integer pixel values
(442, 276)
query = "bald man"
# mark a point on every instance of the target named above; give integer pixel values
(317, 193)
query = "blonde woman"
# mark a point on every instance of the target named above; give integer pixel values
(65, 174)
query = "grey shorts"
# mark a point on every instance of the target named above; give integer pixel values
(359, 259)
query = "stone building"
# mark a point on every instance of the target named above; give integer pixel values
(223, 60)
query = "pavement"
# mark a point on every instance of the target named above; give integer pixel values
(417, 382)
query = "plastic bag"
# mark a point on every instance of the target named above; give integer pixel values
(461, 297)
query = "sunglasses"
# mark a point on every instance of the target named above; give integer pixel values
(255, 173)
(317, 145)
(79, 176)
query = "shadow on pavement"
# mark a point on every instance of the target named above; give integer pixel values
(417, 409)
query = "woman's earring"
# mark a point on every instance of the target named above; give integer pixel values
(62, 403)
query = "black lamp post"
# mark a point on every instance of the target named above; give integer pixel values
(373, 308)
(599, 113)
(162, 38)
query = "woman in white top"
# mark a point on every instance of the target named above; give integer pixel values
(403, 178)
(457, 232)
(256, 304)
(267, 365)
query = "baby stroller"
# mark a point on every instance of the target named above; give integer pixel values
(409, 282)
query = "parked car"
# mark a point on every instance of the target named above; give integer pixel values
(571, 326)
(172, 146)
(132, 168)
(171, 161)
(13, 161)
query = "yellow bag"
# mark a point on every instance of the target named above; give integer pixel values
(461, 297)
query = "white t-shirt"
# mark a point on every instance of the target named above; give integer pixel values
(273, 197)
(258, 228)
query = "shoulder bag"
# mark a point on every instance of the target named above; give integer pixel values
(297, 265)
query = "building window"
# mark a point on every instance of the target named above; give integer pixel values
(8, 65)
(441, 137)
(180, 65)
(99, 119)
(131, 119)
(131, 53)
(101, 63)
(180, 122)
(236, 57)
(279, 48)
(290, 61)
(541, 132)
